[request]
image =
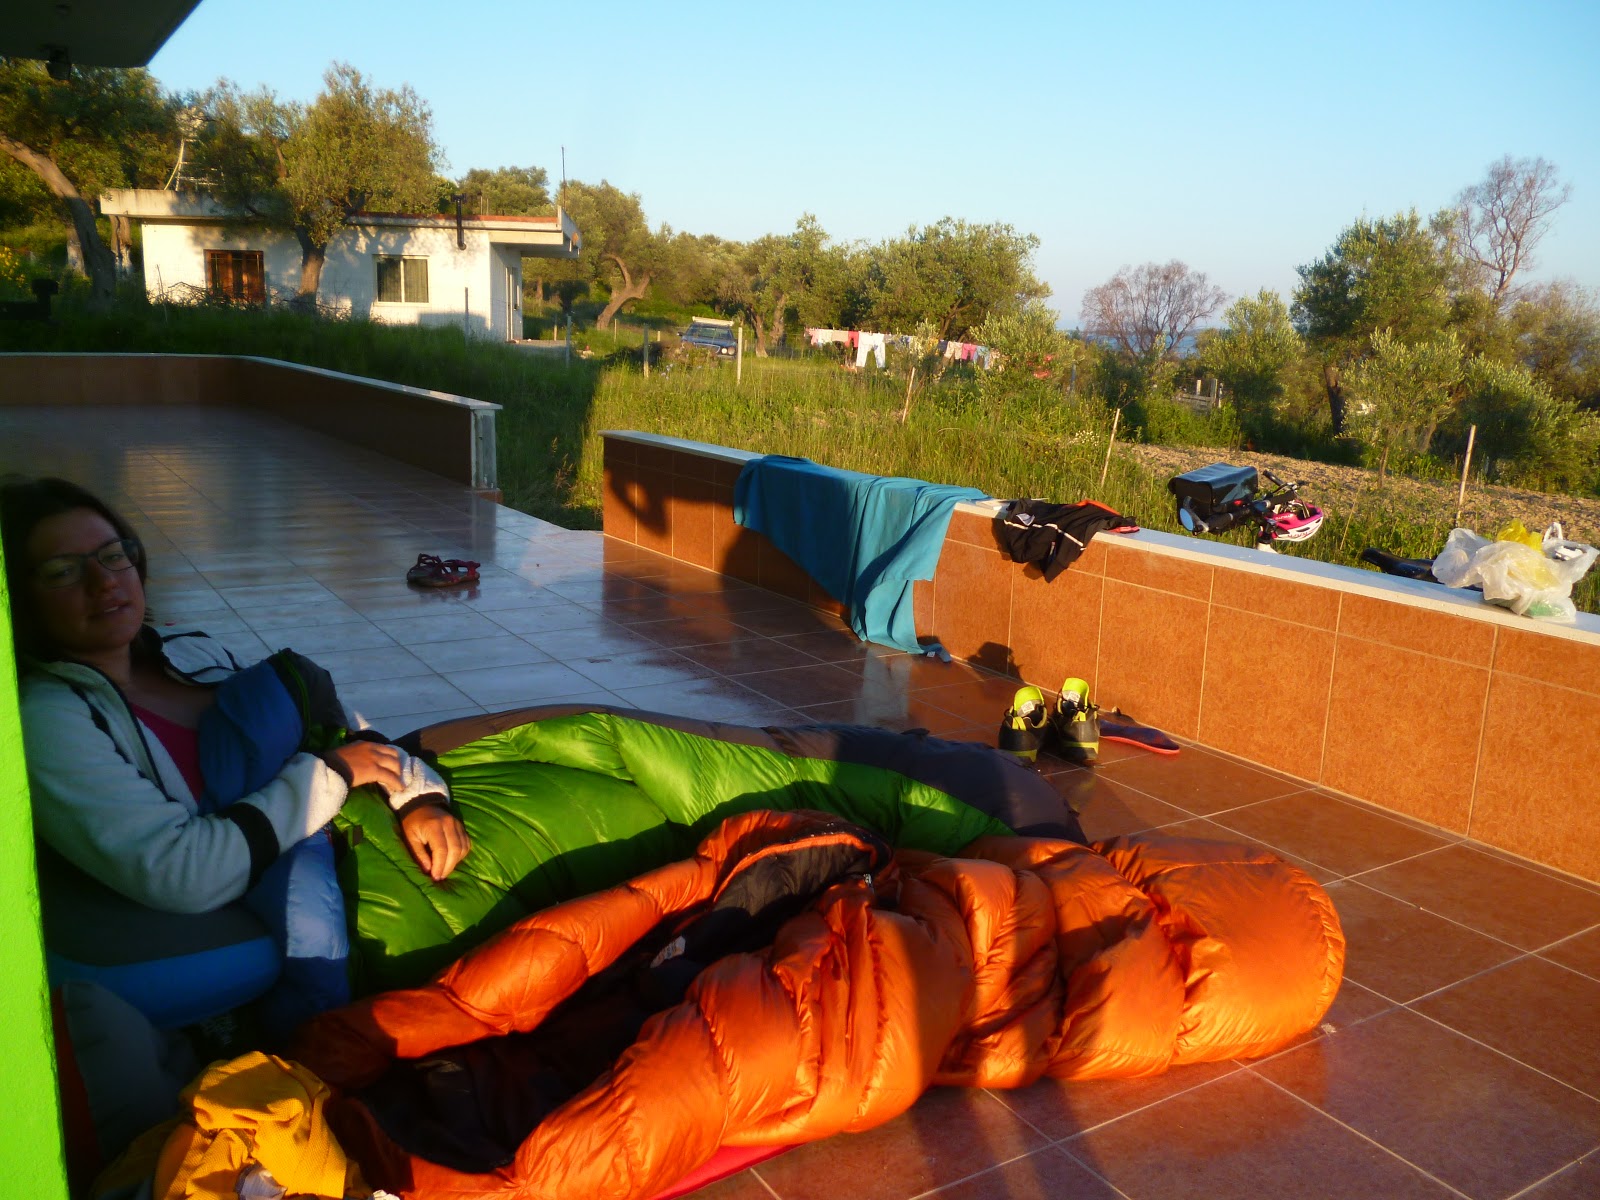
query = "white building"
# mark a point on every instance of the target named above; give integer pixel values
(409, 270)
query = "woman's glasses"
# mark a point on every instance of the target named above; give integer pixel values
(64, 570)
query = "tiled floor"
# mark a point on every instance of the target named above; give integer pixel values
(1461, 1058)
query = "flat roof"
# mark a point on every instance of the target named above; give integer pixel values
(555, 231)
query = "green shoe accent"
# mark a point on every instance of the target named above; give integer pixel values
(1022, 729)
(1075, 724)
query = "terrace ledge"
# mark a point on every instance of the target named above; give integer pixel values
(1415, 593)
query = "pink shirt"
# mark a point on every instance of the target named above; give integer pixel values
(182, 744)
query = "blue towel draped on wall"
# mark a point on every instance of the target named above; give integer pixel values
(864, 538)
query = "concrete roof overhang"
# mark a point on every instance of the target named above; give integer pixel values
(91, 33)
(554, 236)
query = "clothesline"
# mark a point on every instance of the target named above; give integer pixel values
(864, 343)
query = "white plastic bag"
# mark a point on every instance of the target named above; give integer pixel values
(1530, 582)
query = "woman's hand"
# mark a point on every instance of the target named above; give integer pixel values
(370, 762)
(437, 838)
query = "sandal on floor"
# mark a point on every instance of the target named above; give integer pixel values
(433, 571)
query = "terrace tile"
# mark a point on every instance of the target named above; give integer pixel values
(1473, 1118)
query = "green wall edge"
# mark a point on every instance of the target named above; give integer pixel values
(32, 1163)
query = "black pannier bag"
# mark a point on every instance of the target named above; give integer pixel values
(1214, 498)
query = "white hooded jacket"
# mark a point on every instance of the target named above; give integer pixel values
(109, 798)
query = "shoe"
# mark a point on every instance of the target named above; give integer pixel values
(1023, 727)
(1075, 725)
(1118, 726)
(433, 571)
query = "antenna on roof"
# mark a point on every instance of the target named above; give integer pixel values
(189, 122)
(563, 177)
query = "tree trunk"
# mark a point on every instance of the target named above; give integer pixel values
(122, 243)
(760, 327)
(779, 316)
(620, 296)
(1335, 386)
(97, 259)
(312, 256)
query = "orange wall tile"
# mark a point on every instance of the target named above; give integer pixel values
(617, 501)
(1558, 660)
(1283, 599)
(1266, 688)
(971, 529)
(781, 574)
(1133, 564)
(653, 493)
(1437, 633)
(1403, 730)
(1536, 785)
(735, 550)
(690, 511)
(1152, 654)
(1093, 559)
(1055, 626)
(972, 602)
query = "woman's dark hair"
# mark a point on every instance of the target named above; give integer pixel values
(24, 503)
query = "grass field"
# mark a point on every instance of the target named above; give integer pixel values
(1005, 436)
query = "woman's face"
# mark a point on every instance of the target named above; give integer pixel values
(100, 612)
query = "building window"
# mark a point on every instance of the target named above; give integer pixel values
(236, 276)
(402, 280)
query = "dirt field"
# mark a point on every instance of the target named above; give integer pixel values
(1486, 510)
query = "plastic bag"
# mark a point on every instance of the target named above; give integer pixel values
(1518, 532)
(1533, 580)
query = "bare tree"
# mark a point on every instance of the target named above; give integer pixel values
(1150, 308)
(1500, 220)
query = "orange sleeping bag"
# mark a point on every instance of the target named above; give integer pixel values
(1022, 958)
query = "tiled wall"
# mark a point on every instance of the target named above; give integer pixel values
(406, 424)
(1472, 723)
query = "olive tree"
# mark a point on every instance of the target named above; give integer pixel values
(101, 127)
(310, 168)
(1403, 390)
(1250, 354)
(1391, 274)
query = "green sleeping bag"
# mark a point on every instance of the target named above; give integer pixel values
(560, 802)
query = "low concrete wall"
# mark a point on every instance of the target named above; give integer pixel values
(1409, 695)
(447, 434)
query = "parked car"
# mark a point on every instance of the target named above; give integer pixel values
(717, 336)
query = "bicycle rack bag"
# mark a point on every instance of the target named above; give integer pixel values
(1213, 498)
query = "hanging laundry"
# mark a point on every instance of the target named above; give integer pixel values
(870, 342)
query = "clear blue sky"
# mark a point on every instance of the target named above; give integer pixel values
(1239, 137)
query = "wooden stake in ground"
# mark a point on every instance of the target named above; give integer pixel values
(1110, 442)
(1466, 465)
(905, 409)
(738, 360)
